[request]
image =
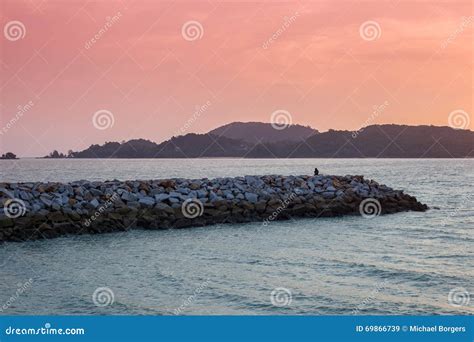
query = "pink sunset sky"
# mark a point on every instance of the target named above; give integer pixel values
(327, 63)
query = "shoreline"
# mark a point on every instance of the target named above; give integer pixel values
(250, 158)
(35, 210)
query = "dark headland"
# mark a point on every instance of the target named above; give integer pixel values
(263, 140)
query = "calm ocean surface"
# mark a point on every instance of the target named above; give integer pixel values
(405, 263)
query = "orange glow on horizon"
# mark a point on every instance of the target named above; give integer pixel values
(330, 64)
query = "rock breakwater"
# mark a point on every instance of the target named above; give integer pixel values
(32, 211)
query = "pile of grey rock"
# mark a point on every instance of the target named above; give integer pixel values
(33, 211)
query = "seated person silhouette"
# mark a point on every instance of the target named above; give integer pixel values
(316, 171)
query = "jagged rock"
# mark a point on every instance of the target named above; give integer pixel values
(194, 186)
(95, 192)
(161, 197)
(147, 201)
(164, 207)
(46, 199)
(251, 197)
(328, 194)
(129, 197)
(168, 183)
(94, 203)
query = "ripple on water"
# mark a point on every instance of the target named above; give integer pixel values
(398, 264)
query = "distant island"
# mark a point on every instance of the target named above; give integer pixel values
(262, 140)
(8, 155)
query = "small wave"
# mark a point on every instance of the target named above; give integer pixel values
(450, 256)
(384, 272)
